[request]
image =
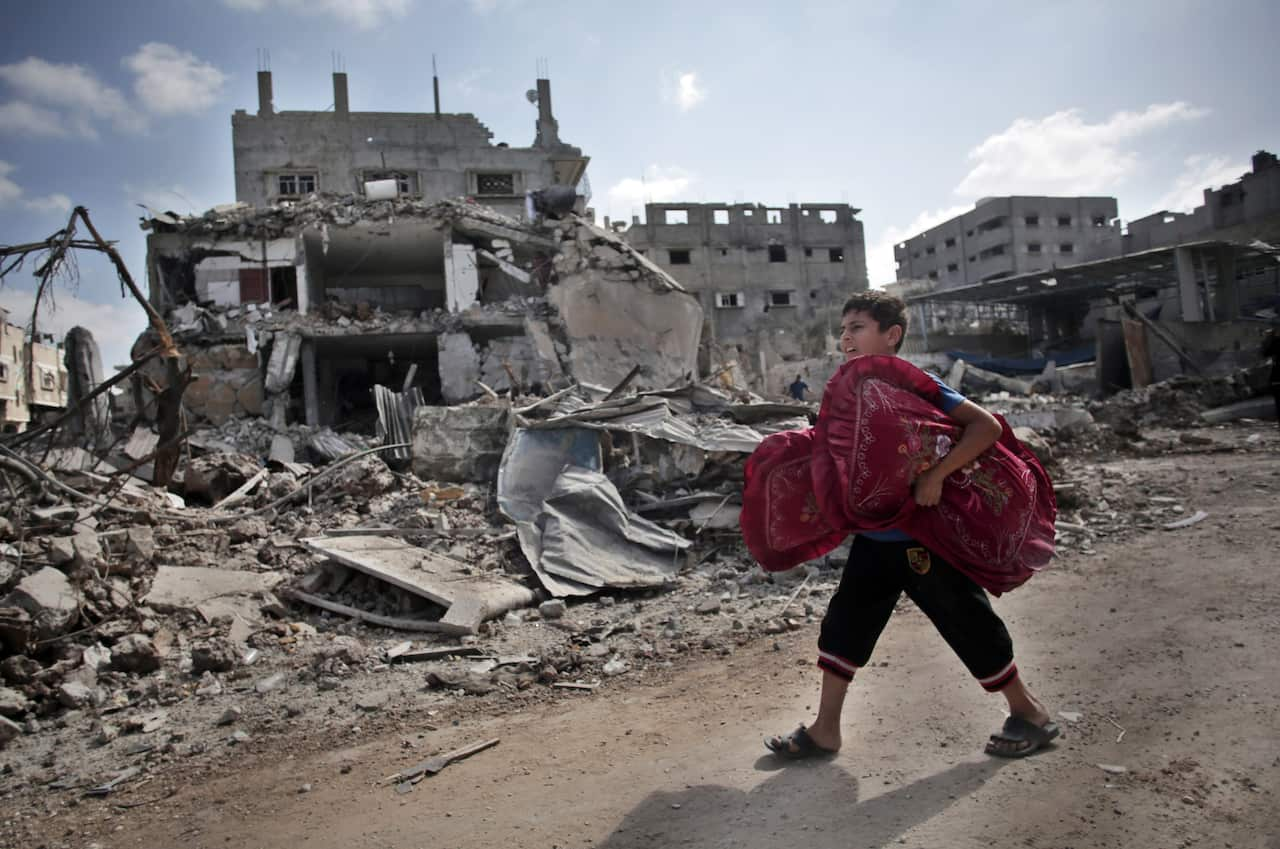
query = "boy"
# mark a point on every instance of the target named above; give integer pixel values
(885, 564)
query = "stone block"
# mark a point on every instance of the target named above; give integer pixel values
(135, 653)
(8, 730)
(459, 367)
(459, 443)
(50, 599)
(13, 703)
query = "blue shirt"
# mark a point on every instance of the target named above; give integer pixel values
(950, 400)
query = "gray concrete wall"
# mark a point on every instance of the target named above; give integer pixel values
(998, 237)
(444, 154)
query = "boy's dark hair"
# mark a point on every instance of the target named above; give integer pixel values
(886, 309)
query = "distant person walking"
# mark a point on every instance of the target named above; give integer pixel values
(1271, 348)
(798, 389)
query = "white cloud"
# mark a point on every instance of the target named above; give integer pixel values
(1201, 172)
(115, 326)
(659, 184)
(881, 268)
(172, 81)
(75, 89)
(56, 202)
(365, 14)
(17, 117)
(683, 89)
(1062, 154)
(11, 194)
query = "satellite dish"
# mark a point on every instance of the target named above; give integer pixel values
(532, 96)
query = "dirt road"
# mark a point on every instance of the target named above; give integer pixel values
(1165, 643)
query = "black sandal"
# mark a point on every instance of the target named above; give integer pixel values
(796, 746)
(1017, 730)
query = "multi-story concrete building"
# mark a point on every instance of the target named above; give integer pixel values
(1004, 236)
(281, 156)
(22, 393)
(771, 279)
(1241, 211)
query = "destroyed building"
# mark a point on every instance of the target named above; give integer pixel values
(771, 280)
(451, 298)
(350, 262)
(24, 394)
(282, 156)
(1003, 236)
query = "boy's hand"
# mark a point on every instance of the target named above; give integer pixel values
(928, 488)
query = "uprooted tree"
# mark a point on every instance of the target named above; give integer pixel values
(55, 258)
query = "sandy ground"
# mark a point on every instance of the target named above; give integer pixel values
(1172, 636)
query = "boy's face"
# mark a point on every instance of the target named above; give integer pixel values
(861, 334)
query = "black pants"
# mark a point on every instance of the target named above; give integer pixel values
(877, 574)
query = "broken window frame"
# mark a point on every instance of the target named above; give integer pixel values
(730, 300)
(950, 243)
(781, 298)
(953, 267)
(835, 254)
(679, 256)
(1067, 248)
(1064, 220)
(481, 178)
(1034, 247)
(1099, 221)
(295, 184)
(675, 217)
(774, 216)
(1031, 221)
(720, 217)
(777, 253)
(829, 216)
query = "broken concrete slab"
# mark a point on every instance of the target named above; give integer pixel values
(459, 367)
(282, 450)
(1263, 408)
(1073, 419)
(212, 593)
(459, 444)
(469, 599)
(51, 601)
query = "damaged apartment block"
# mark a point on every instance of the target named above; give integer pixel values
(372, 259)
(452, 299)
(771, 280)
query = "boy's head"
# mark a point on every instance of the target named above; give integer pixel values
(872, 322)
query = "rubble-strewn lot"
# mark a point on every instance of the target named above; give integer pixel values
(322, 683)
(141, 635)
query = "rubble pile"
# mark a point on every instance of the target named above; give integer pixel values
(1177, 402)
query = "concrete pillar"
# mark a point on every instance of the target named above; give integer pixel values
(1035, 326)
(310, 386)
(548, 131)
(341, 105)
(1227, 295)
(265, 105)
(461, 276)
(1188, 290)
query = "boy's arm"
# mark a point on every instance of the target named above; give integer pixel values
(981, 430)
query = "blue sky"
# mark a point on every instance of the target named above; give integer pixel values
(908, 110)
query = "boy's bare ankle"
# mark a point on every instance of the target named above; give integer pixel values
(825, 734)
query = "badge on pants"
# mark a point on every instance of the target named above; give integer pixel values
(918, 560)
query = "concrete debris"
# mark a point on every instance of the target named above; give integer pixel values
(135, 653)
(51, 601)
(592, 463)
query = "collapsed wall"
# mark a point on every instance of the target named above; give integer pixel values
(452, 298)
